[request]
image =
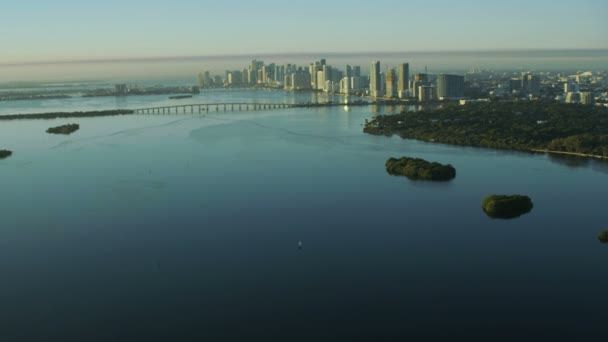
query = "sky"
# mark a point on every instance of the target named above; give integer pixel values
(36, 31)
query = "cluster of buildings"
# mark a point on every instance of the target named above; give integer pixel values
(396, 82)
(389, 83)
(580, 87)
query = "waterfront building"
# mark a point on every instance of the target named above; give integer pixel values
(426, 93)
(403, 77)
(121, 89)
(320, 80)
(287, 84)
(450, 86)
(205, 80)
(375, 80)
(391, 83)
(327, 73)
(301, 81)
(356, 83)
(356, 71)
(345, 86)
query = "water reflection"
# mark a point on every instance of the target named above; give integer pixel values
(569, 161)
(599, 165)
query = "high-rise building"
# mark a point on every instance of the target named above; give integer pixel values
(573, 97)
(587, 98)
(244, 76)
(403, 77)
(349, 71)
(287, 82)
(320, 80)
(356, 71)
(356, 83)
(391, 83)
(234, 77)
(427, 93)
(345, 86)
(514, 84)
(205, 80)
(121, 89)
(300, 81)
(328, 73)
(450, 86)
(571, 88)
(421, 77)
(375, 80)
(530, 84)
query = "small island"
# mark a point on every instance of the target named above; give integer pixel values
(507, 206)
(603, 236)
(65, 129)
(420, 169)
(5, 154)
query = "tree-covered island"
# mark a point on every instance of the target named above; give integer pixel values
(603, 236)
(5, 154)
(537, 126)
(420, 169)
(64, 129)
(506, 206)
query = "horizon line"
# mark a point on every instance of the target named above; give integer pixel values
(270, 54)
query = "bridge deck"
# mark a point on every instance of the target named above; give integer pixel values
(205, 107)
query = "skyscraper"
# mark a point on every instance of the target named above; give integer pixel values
(349, 71)
(530, 84)
(587, 98)
(390, 83)
(403, 76)
(450, 86)
(375, 81)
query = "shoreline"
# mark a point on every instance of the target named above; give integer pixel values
(576, 154)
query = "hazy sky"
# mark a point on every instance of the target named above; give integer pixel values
(42, 30)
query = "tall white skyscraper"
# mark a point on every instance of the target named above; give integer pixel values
(375, 80)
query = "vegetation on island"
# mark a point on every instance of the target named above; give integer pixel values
(420, 169)
(507, 206)
(603, 236)
(5, 154)
(64, 129)
(540, 126)
(62, 115)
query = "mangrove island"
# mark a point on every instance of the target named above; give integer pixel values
(420, 169)
(603, 236)
(5, 154)
(506, 206)
(534, 126)
(59, 115)
(64, 129)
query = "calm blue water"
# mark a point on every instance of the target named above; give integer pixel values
(186, 228)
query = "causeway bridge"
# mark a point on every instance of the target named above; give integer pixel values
(214, 107)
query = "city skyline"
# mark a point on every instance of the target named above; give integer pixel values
(67, 31)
